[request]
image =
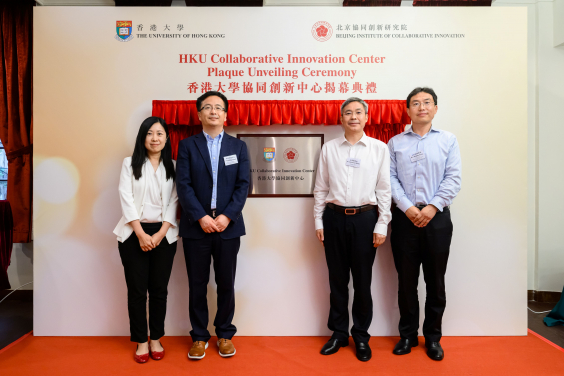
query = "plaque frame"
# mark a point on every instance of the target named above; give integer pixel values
(276, 195)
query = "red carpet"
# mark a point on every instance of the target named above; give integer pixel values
(84, 356)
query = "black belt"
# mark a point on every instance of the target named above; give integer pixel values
(351, 210)
(421, 206)
(213, 213)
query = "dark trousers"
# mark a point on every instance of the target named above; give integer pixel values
(198, 254)
(349, 249)
(412, 247)
(146, 271)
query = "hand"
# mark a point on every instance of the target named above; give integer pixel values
(425, 216)
(319, 234)
(158, 237)
(378, 239)
(208, 224)
(221, 222)
(146, 242)
(412, 213)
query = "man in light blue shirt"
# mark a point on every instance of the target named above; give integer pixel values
(212, 181)
(425, 174)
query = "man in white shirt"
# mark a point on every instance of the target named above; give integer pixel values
(352, 211)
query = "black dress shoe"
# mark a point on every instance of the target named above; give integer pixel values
(363, 352)
(332, 346)
(435, 351)
(404, 346)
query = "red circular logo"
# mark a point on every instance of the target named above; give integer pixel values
(322, 31)
(291, 155)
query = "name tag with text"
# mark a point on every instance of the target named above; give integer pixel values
(230, 159)
(417, 156)
(353, 162)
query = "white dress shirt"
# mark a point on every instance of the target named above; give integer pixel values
(132, 193)
(367, 184)
(153, 203)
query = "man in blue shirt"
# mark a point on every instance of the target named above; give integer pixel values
(212, 181)
(425, 174)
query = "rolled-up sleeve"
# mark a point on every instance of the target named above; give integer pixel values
(171, 209)
(126, 192)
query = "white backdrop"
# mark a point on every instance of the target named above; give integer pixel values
(91, 93)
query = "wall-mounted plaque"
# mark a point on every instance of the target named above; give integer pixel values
(282, 165)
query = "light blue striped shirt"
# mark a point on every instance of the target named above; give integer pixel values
(214, 147)
(433, 180)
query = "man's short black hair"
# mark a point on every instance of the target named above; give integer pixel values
(211, 94)
(418, 90)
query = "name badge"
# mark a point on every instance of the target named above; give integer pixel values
(230, 159)
(417, 156)
(353, 162)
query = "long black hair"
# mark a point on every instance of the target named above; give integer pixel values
(140, 152)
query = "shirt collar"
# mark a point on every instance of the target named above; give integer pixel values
(363, 139)
(410, 130)
(149, 166)
(209, 138)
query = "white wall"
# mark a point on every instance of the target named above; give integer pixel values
(551, 173)
(558, 23)
(546, 176)
(545, 252)
(539, 26)
(282, 274)
(532, 134)
(545, 48)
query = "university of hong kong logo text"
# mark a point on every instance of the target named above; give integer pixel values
(123, 31)
(322, 31)
(291, 155)
(269, 154)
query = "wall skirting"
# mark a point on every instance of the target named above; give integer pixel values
(544, 296)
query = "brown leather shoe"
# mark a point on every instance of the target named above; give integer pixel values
(226, 348)
(198, 350)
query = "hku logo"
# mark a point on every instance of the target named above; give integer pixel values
(322, 31)
(123, 31)
(269, 154)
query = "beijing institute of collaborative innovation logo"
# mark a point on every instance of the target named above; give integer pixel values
(291, 155)
(123, 31)
(322, 31)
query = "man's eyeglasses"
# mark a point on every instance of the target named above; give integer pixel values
(358, 113)
(208, 108)
(424, 104)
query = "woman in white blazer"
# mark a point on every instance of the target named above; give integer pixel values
(147, 233)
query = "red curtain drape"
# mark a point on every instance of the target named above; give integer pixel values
(452, 3)
(371, 3)
(16, 129)
(6, 242)
(386, 117)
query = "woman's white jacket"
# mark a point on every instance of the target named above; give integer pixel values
(132, 196)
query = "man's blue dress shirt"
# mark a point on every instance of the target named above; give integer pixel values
(214, 146)
(433, 180)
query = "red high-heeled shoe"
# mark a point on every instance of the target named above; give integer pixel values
(156, 355)
(143, 358)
